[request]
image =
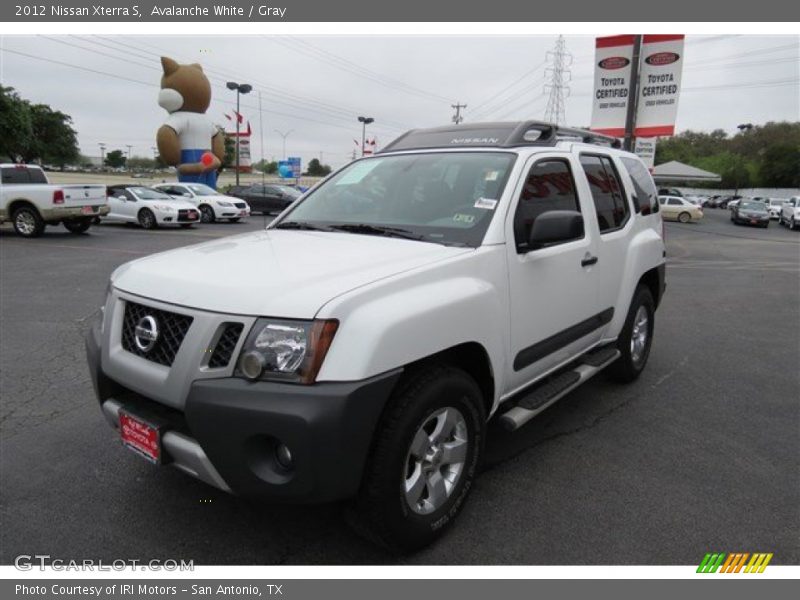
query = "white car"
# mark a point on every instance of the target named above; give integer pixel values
(212, 205)
(149, 207)
(356, 348)
(679, 209)
(790, 213)
(774, 206)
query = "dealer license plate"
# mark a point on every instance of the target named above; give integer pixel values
(753, 221)
(87, 210)
(140, 436)
(242, 213)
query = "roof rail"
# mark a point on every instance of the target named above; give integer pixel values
(500, 135)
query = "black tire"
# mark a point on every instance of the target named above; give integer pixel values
(187, 225)
(78, 226)
(382, 512)
(792, 224)
(207, 214)
(234, 220)
(684, 217)
(147, 219)
(629, 366)
(28, 222)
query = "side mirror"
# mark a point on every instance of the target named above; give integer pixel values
(554, 227)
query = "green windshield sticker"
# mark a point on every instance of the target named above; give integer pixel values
(358, 171)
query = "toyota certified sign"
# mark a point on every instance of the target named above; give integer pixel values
(662, 58)
(614, 62)
(659, 85)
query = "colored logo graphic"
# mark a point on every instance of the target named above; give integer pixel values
(734, 562)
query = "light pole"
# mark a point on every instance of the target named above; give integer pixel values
(284, 136)
(241, 88)
(364, 122)
(742, 127)
(128, 164)
(102, 156)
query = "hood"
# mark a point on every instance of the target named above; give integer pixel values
(274, 273)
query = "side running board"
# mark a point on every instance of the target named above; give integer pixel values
(545, 394)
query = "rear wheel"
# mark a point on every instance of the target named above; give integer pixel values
(636, 337)
(78, 226)
(147, 219)
(424, 459)
(206, 214)
(791, 223)
(684, 217)
(28, 222)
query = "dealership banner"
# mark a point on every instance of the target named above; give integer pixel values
(612, 81)
(659, 85)
(645, 148)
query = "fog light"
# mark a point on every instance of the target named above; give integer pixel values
(283, 456)
(252, 364)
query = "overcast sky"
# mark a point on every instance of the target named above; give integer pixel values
(316, 86)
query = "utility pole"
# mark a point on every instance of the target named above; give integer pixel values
(457, 118)
(320, 157)
(128, 146)
(557, 88)
(240, 88)
(261, 135)
(284, 136)
(102, 156)
(633, 95)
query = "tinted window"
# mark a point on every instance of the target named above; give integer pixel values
(22, 175)
(612, 209)
(549, 186)
(643, 185)
(675, 202)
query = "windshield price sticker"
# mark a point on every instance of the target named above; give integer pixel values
(485, 203)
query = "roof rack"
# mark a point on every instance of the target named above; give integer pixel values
(499, 135)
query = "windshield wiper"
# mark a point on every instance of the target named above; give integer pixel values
(377, 230)
(301, 225)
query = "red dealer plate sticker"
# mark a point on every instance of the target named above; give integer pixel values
(141, 437)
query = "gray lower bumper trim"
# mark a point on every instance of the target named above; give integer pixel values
(186, 453)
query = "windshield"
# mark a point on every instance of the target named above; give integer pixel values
(776, 202)
(144, 193)
(289, 191)
(202, 190)
(754, 206)
(443, 197)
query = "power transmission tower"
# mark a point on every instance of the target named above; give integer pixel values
(457, 118)
(559, 76)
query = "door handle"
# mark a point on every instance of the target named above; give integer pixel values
(588, 260)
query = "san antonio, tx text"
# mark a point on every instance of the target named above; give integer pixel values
(129, 589)
(98, 10)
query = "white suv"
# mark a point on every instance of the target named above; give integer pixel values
(790, 213)
(357, 347)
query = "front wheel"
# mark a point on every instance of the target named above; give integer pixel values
(28, 222)
(78, 226)
(147, 219)
(424, 459)
(636, 337)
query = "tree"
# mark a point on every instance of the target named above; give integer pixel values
(316, 169)
(780, 166)
(55, 141)
(16, 124)
(270, 167)
(141, 163)
(115, 159)
(230, 152)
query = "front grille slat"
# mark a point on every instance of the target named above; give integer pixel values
(172, 328)
(223, 351)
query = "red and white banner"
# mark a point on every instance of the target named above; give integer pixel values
(659, 85)
(612, 81)
(660, 68)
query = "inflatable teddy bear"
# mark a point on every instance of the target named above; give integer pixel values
(188, 140)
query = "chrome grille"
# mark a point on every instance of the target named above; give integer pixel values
(172, 328)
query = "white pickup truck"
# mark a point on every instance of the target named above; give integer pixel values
(357, 348)
(30, 202)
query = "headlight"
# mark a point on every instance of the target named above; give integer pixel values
(223, 203)
(285, 350)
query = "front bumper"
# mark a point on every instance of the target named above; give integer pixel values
(229, 429)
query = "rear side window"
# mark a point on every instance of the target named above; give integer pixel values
(549, 186)
(675, 202)
(643, 185)
(612, 209)
(13, 175)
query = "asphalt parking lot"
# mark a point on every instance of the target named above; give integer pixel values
(701, 454)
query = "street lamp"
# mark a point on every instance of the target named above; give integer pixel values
(241, 88)
(742, 127)
(364, 122)
(102, 156)
(284, 136)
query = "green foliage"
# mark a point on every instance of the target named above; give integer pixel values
(115, 159)
(141, 163)
(766, 156)
(35, 131)
(316, 169)
(230, 153)
(270, 167)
